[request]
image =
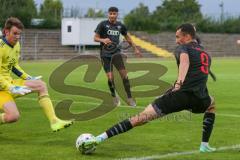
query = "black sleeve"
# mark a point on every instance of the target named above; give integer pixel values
(179, 50)
(182, 49)
(123, 30)
(99, 28)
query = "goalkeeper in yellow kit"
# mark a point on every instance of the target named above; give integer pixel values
(12, 88)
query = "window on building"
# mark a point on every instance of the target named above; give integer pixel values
(69, 28)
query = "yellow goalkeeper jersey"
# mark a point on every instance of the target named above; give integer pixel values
(9, 56)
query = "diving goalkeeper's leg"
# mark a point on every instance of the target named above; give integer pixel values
(46, 103)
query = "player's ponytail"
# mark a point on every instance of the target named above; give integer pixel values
(198, 39)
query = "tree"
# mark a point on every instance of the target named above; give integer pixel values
(51, 11)
(94, 13)
(25, 10)
(139, 18)
(166, 17)
(173, 12)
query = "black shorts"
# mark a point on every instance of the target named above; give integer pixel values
(181, 100)
(116, 60)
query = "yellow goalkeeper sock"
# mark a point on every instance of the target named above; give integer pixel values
(2, 120)
(46, 103)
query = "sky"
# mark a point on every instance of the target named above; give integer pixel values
(209, 7)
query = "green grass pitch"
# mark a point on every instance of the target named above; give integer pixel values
(31, 137)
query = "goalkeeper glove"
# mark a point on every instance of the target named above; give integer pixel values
(22, 90)
(33, 78)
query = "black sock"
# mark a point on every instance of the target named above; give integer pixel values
(119, 128)
(112, 87)
(208, 121)
(126, 84)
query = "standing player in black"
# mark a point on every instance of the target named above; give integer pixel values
(107, 33)
(189, 92)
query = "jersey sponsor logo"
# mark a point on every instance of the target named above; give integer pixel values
(113, 33)
(119, 27)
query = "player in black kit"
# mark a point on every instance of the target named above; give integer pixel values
(188, 93)
(108, 33)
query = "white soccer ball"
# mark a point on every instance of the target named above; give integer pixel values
(80, 143)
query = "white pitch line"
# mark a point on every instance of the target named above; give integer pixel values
(174, 154)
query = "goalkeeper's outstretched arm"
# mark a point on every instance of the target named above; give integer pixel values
(18, 71)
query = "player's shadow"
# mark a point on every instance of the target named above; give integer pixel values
(9, 140)
(35, 140)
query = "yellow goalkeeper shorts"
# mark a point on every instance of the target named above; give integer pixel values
(6, 96)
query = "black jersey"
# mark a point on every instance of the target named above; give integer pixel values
(112, 31)
(199, 67)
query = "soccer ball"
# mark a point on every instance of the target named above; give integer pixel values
(80, 143)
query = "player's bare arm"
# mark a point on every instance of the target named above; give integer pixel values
(182, 71)
(97, 38)
(136, 50)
